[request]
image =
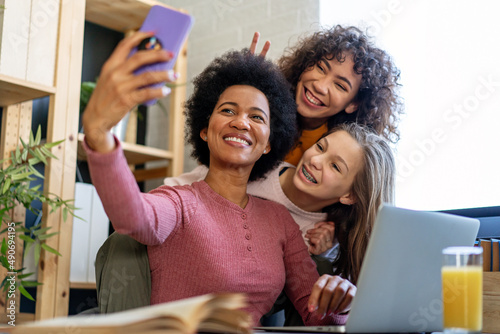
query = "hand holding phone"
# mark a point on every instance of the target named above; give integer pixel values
(170, 29)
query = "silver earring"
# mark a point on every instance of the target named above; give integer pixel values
(265, 151)
(206, 138)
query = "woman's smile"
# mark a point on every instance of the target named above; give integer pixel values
(238, 139)
(307, 175)
(311, 98)
(239, 128)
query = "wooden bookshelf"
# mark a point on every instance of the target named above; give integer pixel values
(52, 297)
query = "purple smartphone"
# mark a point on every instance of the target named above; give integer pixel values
(171, 29)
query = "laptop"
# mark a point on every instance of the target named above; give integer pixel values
(399, 286)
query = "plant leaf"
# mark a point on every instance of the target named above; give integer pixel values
(47, 152)
(36, 173)
(38, 137)
(25, 293)
(75, 216)
(41, 230)
(22, 229)
(65, 213)
(23, 276)
(40, 155)
(50, 249)
(4, 281)
(25, 238)
(17, 177)
(33, 161)
(46, 236)
(27, 248)
(31, 283)
(50, 145)
(38, 247)
(23, 143)
(32, 140)
(6, 185)
(24, 156)
(18, 153)
(5, 263)
(3, 249)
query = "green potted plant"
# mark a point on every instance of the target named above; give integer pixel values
(15, 189)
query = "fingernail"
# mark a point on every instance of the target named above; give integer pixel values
(312, 308)
(172, 75)
(165, 90)
(170, 54)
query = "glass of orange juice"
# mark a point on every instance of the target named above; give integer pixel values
(462, 279)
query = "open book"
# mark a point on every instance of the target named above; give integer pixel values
(219, 313)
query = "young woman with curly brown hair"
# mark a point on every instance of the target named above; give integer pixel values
(339, 76)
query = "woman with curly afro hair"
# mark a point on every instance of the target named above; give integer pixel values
(339, 76)
(212, 236)
(238, 68)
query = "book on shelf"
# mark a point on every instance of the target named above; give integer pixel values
(212, 313)
(491, 253)
(495, 254)
(486, 244)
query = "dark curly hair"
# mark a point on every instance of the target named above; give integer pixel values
(243, 68)
(379, 103)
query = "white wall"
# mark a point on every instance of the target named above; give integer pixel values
(448, 54)
(221, 25)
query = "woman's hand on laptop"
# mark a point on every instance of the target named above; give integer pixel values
(331, 295)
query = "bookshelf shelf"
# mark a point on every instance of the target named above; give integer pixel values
(82, 285)
(119, 15)
(13, 90)
(136, 154)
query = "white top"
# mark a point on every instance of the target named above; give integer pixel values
(267, 188)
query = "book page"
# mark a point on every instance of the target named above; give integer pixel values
(184, 314)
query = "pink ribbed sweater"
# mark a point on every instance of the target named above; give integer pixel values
(199, 242)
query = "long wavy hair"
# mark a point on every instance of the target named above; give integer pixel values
(372, 186)
(379, 104)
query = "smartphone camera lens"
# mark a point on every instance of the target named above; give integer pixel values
(150, 43)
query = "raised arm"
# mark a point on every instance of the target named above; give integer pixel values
(117, 91)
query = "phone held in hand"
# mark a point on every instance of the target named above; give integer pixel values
(170, 29)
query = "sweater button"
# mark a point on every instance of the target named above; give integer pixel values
(244, 216)
(247, 236)
(249, 248)
(245, 226)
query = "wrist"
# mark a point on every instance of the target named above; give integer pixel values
(100, 140)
